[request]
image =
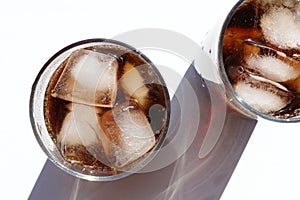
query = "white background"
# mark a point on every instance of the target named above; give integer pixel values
(32, 31)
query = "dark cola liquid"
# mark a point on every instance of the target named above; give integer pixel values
(244, 27)
(155, 107)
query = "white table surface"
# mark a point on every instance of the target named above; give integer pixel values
(32, 31)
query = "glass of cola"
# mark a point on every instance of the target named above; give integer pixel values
(256, 51)
(99, 109)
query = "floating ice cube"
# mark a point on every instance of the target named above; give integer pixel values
(133, 84)
(80, 125)
(270, 63)
(142, 84)
(90, 78)
(272, 68)
(281, 28)
(264, 96)
(81, 128)
(128, 135)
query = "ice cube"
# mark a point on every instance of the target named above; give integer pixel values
(128, 134)
(281, 28)
(262, 94)
(272, 68)
(80, 134)
(270, 63)
(133, 84)
(90, 78)
(142, 84)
